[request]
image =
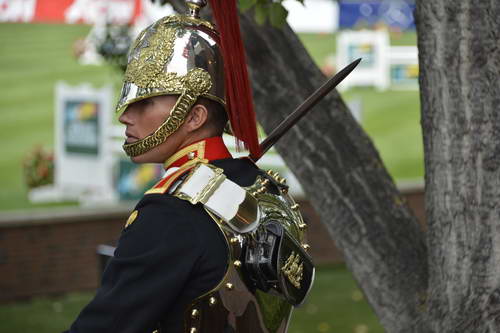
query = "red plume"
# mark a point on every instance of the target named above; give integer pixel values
(238, 90)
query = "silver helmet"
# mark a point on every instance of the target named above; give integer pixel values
(177, 55)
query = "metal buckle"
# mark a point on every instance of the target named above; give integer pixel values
(213, 184)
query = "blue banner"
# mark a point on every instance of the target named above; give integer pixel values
(355, 14)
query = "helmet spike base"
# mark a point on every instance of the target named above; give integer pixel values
(194, 7)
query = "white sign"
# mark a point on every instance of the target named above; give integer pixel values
(383, 66)
(372, 47)
(92, 11)
(83, 158)
(403, 67)
(17, 10)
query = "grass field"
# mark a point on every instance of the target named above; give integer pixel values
(33, 57)
(335, 305)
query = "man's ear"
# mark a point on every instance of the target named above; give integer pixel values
(196, 118)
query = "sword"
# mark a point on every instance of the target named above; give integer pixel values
(304, 108)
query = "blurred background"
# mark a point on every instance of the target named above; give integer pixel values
(67, 187)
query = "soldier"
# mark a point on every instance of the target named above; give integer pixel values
(216, 244)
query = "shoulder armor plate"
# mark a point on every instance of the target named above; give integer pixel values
(230, 202)
(269, 269)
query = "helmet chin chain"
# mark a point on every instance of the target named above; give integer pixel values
(197, 82)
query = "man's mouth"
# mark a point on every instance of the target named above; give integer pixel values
(131, 138)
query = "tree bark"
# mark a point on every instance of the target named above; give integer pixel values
(342, 175)
(459, 55)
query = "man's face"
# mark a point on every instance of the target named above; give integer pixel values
(144, 117)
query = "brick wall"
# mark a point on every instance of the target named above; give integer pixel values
(55, 252)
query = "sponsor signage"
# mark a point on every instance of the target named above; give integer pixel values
(83, 158)
(70, 11)
(354, 14)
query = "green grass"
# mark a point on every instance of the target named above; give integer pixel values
(394, 126)
(403, 39)
(42, 315)
(335, 305)
(320, 46)
(33, 57)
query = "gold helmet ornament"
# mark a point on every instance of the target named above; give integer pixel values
(177, 55)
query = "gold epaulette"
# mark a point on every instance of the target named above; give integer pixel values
(164, 184)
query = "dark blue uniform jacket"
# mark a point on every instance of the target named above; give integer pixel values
(171, 254)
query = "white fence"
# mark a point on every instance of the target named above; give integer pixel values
(383, 66)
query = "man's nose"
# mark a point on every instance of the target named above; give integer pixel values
(125, 117)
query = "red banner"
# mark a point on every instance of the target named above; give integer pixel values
(70, 11)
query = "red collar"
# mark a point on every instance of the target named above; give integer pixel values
(205, 151)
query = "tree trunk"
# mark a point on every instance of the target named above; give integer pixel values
(459, 55)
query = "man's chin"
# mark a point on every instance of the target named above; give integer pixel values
(147, 157)
(140, 159)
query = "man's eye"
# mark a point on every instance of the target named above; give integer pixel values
(144, 102)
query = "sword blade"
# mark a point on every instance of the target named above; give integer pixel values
(304, 108)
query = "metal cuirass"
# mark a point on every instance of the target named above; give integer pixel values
(269, 271)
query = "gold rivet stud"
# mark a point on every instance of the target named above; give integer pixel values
(195, 313)
(191, 155)
(229, 286)
(265, 182)
(237, 263)
(212, 301)
(306, 246)
(193, 330)
(295, 206)
(233, 240)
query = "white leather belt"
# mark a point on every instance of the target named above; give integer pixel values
(230, 202)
